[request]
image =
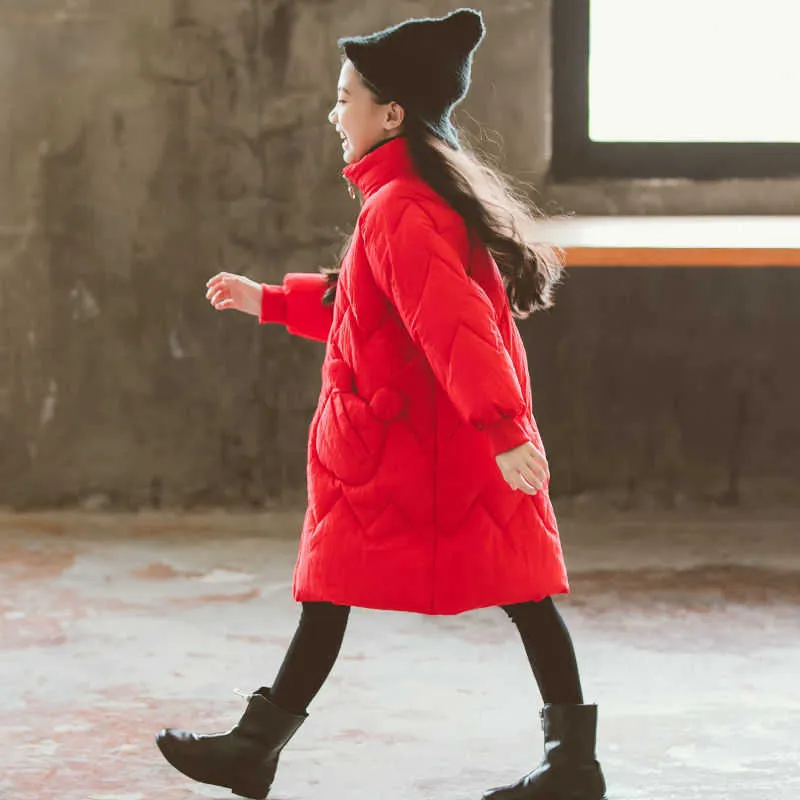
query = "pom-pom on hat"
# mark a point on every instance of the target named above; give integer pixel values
(423, 64)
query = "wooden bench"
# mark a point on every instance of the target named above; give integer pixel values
(694, 241)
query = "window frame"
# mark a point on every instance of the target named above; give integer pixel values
(576, 157)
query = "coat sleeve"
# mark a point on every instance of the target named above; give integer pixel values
(449, 317)
(297, 304)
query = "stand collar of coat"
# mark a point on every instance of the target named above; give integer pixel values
(389, 160)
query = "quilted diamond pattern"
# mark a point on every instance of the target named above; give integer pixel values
(425, 380)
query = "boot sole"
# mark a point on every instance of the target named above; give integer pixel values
(248, 790)
(570, 797)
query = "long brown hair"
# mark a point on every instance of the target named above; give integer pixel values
(498, 213)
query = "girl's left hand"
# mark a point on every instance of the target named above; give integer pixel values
(524, 468)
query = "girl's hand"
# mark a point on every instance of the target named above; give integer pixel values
(226, 290)
(524, 468)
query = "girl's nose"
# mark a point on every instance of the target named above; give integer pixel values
(332, 116)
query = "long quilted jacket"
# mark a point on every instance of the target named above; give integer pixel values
(424, 380)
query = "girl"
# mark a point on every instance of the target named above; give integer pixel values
(427, 480)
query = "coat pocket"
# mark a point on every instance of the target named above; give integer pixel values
(351, 432)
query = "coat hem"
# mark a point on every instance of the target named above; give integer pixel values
(442, 611)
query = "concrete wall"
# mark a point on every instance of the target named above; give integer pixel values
(145, 146)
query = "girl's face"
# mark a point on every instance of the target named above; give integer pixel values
(359, 120)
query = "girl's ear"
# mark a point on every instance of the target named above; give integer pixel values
(395, 115)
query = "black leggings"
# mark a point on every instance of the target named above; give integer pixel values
(318, 640)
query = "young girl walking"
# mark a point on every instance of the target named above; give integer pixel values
(427, 478)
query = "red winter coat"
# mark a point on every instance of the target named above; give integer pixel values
(424, 380)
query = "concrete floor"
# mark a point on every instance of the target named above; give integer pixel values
(687, 630)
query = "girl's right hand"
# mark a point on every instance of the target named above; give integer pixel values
(226, 290)
(524, 468)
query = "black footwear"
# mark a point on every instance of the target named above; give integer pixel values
(569, 770)
(243, 759)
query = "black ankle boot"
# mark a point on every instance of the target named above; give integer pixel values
(243, 759)
(570, 770)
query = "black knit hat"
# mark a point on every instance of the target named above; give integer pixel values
(423, 64)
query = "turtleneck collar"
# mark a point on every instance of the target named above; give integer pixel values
(380, 165)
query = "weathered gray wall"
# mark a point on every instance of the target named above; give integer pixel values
(145, 146)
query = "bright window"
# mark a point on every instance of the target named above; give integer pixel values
(694, 71)
(696, 89)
